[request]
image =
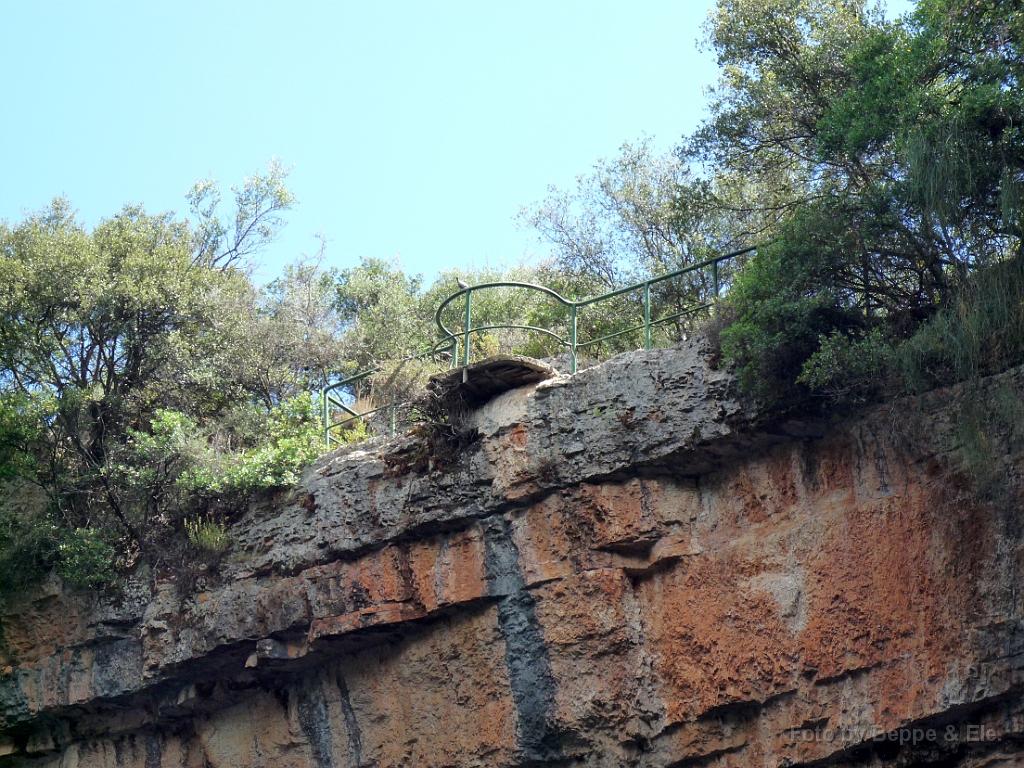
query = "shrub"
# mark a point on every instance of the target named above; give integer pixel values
(292, 438)
(207, 534)
(779, 324)
(849, 368)
(85, 559)
(795, 334)
(980, 332)
(28, 546)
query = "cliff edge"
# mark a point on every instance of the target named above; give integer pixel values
(626, 568)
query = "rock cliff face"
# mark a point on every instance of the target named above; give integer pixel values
(626, 569)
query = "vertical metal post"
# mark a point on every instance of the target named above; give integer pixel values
(647, 315)
(465, 343)
(392, 409)
(572, 338)
(327, 416)
(714, 276)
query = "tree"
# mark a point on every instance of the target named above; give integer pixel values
(257, 219)
(380, 310)
(619, 224)
(140, 370)
(882, 161)
(303, 327)
(91, 320)
(637, 215)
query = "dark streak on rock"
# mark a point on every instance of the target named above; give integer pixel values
(115, 665)
(316, 725)
(14, 703)
(153, 752)
(355, 736)
(526, 655)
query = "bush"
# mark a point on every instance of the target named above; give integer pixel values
(207, 534)
(293, 438)
(850, 368)
(980, 332)
(785, 345)
(781, 315)
(28, 546)
(21, 424)
(85, 559)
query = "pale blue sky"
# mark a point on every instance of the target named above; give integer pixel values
(412, 127)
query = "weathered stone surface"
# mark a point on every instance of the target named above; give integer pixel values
(626, 569)
(476, 383)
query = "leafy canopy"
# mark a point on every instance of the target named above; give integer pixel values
(883, 161)
(143, 378)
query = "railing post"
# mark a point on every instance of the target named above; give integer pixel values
(647, 315)
(392, 412)
(465, 345)
(572, 338)
(327, 416)
(461, 356)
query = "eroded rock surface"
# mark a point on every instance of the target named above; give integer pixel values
(626, 569)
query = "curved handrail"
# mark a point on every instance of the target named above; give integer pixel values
(328, 399)
(501, 284)
(453, 340)
(574, 307)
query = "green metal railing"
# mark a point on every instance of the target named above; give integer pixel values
(456, 345)
(332, 402)
(460, 340)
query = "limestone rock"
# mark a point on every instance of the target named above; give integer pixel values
(627, 568)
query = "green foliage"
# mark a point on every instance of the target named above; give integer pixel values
(27, 544)
(787, 346)
(31, 543)
(354, 431)
(781, 64)
(637, 215)
(884, 161)
(188, 464)
(850, 368)
(782, 305)
(22, 422)
(85, 559)
(143, 377)
(256, 219)
(980, 332)
(381, 311)
(207, 534)
(989, 427)
(302, 327)
(619, 224)
(294, 438)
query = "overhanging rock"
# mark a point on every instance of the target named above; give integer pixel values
(476, 383)
(625, 570)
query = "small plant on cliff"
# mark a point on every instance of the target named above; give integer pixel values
(86, 559)
(207, 534)
(990, 429)
(850, 368)
(291, 439)
(980, 332)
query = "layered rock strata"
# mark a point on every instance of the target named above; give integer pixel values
(625, 569)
